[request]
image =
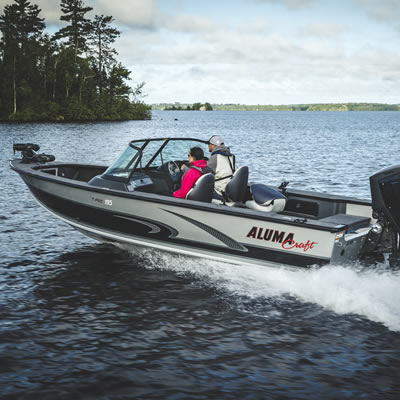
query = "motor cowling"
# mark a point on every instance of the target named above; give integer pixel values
(385, 195)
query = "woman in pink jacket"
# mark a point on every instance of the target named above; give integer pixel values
(197, 167)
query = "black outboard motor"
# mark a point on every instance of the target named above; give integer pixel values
(385, 194)
(29, 153)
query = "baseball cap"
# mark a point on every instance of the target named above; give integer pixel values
(216, 139)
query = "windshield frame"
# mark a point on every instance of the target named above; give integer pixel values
(140, 150)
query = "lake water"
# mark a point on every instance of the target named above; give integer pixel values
(84, 320)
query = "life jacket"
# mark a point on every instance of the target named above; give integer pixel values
(232, 164)
(203, 171)
(224, 170)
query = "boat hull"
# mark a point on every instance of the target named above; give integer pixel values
(192, 228)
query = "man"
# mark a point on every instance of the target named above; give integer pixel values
(221, 162)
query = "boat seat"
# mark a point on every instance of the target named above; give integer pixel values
(203, 189)
(236, 189)
(266, 199)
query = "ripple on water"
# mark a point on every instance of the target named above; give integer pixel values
(80, 319)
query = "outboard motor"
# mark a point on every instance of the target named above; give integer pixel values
(385, 194)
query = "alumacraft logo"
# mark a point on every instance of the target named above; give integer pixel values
(286, 239)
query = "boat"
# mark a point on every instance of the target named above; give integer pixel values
(131, 203)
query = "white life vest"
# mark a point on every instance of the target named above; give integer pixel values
(223, 172)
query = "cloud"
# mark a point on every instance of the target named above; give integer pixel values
(381, 10)
(50, 9)
(326, 30)
(137, 14)
(267, 84)
(133, 13)
(189, 24)
(291, 4)
(276, 71)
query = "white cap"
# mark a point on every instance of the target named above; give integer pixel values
(216, 139)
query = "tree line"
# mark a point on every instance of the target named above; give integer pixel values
(310, 107)
(194, 107)
(72, 75)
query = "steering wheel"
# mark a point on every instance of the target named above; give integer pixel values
(173, 168)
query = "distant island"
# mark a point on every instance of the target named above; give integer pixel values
(291, 107)
(72, 75)
(188, 107)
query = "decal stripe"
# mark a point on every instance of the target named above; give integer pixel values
(233, 244)
(154, 228)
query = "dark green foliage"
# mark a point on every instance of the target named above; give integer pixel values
(79, 27)
(101, 36)
(194, 107)
(71, 76)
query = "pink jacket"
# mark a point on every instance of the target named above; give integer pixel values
(190, 178)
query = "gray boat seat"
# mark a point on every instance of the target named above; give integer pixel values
(266, 199)
(236, 189)
(203, 189)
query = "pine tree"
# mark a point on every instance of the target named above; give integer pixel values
(21, 29)
(79, 27)
(101, 37)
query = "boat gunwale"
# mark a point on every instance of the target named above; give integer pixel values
(34, 171)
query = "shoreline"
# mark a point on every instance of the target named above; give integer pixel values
(342, 107)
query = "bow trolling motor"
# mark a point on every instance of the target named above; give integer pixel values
(30, 155)
(384, 236)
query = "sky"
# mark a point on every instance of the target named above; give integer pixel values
(255, 51)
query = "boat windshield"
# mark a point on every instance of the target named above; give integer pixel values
(151, 153)
(157, 153)
(123, 167)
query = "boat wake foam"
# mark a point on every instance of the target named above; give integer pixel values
(371, 293)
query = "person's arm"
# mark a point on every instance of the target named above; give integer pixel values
(212, 163)
(184, 168)
(187, 183)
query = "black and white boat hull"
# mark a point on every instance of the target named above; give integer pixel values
(337, 234)
(206, 230)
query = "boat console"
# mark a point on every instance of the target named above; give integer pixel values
(138, 182)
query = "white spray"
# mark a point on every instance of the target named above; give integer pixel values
(373, 293)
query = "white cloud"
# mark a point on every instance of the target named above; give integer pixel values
(50, 9)
(323, 30)
(292, 4)
(189, 24)
(382, 10)
(132, 13)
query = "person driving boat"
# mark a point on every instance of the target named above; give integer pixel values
(197, 167)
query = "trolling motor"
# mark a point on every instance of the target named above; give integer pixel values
(384, 236)
(29, 153)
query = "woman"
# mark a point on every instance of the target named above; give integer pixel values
(197, 167)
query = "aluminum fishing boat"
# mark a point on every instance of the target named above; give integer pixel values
(131, 203)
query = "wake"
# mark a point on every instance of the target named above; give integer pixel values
(372, 293)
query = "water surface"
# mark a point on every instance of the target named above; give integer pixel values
(81, 319)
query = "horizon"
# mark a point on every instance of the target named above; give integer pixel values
(274, 105)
